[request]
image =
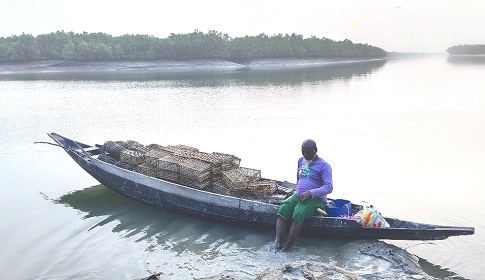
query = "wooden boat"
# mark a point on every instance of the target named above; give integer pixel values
(237, 211)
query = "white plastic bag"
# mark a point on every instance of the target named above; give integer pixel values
(371, 217)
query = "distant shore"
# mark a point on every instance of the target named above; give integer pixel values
(202, 65)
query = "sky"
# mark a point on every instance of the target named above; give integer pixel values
(394, 25)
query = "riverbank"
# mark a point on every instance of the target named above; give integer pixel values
(203, 65)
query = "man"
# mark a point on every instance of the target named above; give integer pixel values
(314, 182)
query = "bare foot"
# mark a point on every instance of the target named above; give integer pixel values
(275, 247)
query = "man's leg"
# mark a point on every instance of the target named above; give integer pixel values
(294, 232)
(283, 220)
(303, 210)
(281, 228)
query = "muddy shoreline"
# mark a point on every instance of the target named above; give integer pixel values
(205, 65)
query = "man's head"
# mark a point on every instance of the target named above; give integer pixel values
(309, 149)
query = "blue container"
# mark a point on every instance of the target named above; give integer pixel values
(338, 208)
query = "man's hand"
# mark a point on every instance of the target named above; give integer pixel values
(304, 196)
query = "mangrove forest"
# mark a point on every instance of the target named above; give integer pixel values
(466, 50)
(85, 46)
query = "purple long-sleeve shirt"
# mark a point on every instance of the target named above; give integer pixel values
(317, 178)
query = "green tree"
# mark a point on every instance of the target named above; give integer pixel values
(5, 50)
(69, 51)
(25, 48)
(118, 52)
(52, 44)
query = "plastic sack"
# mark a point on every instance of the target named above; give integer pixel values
(371, 217)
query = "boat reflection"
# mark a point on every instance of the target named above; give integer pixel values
(133, 218)
(180, 234)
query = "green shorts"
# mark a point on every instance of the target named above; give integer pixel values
(299, 211)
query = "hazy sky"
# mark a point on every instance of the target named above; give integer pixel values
(405, 25)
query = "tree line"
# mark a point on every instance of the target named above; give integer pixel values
(85, 46)
(466, 49)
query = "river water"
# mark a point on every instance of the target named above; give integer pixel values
(407, 135)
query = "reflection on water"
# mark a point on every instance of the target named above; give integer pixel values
(215, 78)
(292, 77)
(466, 59)
(437, 271)
(185, 239)
(133, 217)
(139, 219)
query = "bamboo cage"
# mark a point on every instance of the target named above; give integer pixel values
(217, 172)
